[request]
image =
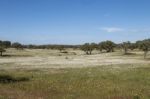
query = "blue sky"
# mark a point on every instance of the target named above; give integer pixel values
(74, 21)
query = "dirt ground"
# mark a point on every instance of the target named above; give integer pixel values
(38, 58)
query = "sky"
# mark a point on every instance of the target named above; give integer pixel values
(74, 21)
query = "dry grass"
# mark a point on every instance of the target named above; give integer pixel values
(48, 74)
(38, 58)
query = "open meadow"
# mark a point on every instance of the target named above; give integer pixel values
(50, 74)
(74, 49)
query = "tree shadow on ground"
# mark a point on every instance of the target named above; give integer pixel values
(16, 55)
(130, 54)
(6, 79)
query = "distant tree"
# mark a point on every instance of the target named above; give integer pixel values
(6, 44)
(99, 47)
(1, 43)
(17, 45)
(1, 51)
(125, 46)
(92, 46)
(110, 46)
(102, 45)
(85, 48)
(145, 46)
(107, 45)
(88, 48)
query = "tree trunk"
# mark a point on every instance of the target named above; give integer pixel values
(1, 53)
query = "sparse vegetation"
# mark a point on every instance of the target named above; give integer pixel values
(40, 71)
(74, 49)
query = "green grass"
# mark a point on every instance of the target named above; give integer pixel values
(84, 83)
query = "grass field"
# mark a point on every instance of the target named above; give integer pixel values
(48, 74)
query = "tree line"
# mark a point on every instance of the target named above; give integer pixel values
(109, 46)
(104, 46)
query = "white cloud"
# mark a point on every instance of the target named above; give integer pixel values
(112, 29)
(125, 30)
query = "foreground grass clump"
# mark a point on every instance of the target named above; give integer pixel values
(85, 83)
